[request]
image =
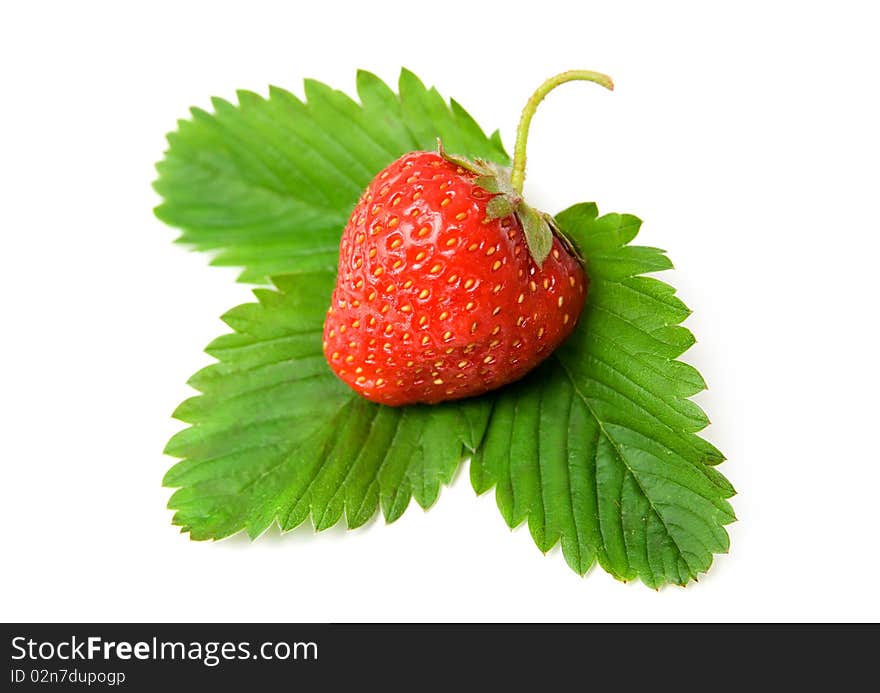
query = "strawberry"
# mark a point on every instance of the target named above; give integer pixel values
(448, 286)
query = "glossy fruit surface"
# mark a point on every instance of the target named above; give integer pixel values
(436, 301)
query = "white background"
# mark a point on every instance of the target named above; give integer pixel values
(746, 138)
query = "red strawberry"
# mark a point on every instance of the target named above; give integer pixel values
(438, 294)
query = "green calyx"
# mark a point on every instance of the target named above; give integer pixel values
(538, 227)
(507, 183)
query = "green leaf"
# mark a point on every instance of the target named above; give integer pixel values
(275, 436)
(597, 449)
(268, 184)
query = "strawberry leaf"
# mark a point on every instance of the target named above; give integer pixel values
(268, 184)
(275, 436)
(597, 449)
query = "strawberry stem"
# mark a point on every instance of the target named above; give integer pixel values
(518, 175)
